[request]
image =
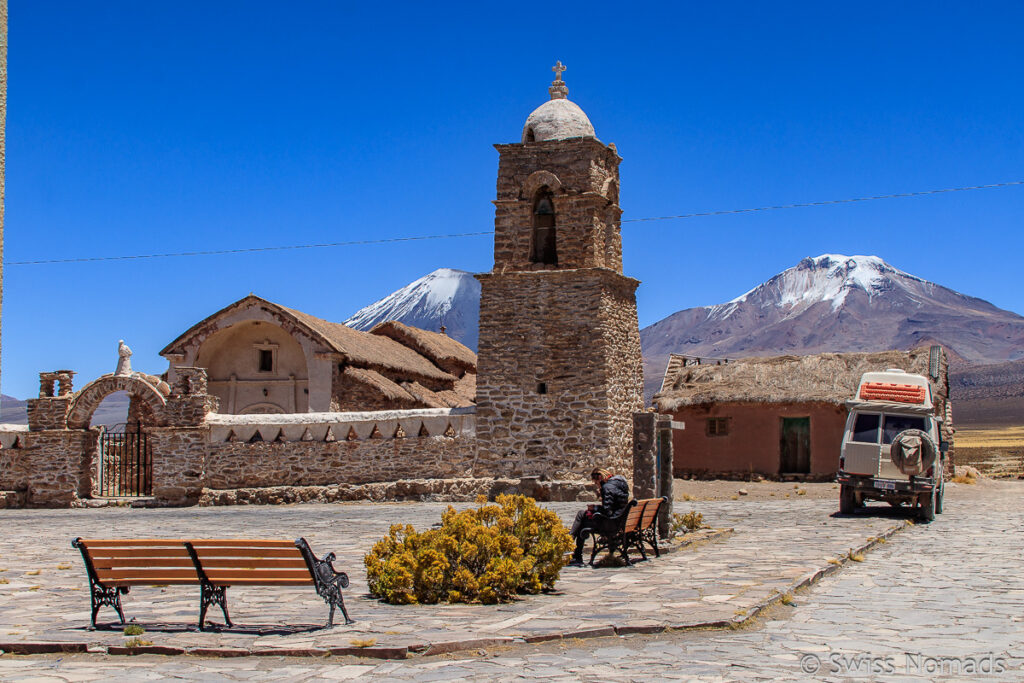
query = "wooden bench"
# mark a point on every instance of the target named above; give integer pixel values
(114, 565)
(646, 530)
(637, 525)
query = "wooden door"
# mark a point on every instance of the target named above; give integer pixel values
(795, 445)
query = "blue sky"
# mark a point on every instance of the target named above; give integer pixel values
(137, 128)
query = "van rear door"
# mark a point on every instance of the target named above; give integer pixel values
(861, 449)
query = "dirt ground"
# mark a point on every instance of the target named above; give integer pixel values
(716, 489)
(691, 490)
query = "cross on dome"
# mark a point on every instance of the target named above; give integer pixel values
(558, 89)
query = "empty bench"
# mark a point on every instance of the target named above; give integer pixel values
(115, 565)
(636, 526)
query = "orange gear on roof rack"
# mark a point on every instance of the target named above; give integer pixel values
(897, 393)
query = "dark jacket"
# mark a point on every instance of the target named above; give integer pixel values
(614, 497)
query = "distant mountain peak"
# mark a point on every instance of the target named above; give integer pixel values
(828, 277)
(835, 303)
(447, 297)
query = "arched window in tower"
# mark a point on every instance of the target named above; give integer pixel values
(543, 250)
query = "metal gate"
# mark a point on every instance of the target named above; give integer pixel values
(126, 462)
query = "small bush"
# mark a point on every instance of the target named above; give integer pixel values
(137, 642)
(363, 642)
(486, 554)
(691, 521)
(786, 599)
(133, 630)
(965, 479)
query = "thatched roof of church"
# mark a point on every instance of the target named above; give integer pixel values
(446, 352)
(388, 389)
(362, 348)
(823, 378)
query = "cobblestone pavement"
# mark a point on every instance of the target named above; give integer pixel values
(950, 593)
(775, 544)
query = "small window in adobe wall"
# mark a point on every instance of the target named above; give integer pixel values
(717, 426)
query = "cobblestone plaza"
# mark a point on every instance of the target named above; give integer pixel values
(946, 595)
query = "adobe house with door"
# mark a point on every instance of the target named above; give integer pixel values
(780, 417)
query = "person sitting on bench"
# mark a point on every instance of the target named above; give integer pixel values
(613, 490)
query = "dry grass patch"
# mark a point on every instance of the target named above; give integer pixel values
(363, 642)
(786, 599)
(854, 557)
(996, 437)
(34, 572)
(63, 566)
(833, 560)
(691, 521)
(964, 479)
(4, 581)
(137, 642)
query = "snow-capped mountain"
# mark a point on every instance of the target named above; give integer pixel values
(828, 303)
(838, 303)
(446, 297)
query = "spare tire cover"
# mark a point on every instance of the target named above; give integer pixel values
(913, 452)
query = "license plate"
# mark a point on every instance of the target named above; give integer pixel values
(888, 485)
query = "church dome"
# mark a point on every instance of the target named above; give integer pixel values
(558, 118)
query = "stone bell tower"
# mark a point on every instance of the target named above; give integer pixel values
(560, 372)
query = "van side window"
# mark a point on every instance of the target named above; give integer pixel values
(894, 424)
(865, 429)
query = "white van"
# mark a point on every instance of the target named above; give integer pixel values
(892, 447)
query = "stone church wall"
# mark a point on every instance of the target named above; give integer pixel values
(48, 468)
(205, 453)
(325, 449)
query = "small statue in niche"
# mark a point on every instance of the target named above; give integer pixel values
(124, 359)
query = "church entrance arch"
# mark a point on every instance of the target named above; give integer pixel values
(88, 399)
(124, 466)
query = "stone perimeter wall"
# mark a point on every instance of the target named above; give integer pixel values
(47, 468)
(59, 467)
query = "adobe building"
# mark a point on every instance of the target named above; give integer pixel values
(780, 417)
(261, 357)
(560, 372)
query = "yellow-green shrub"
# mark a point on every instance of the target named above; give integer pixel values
(485, 554)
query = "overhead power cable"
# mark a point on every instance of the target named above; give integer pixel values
(389, 240)
(826, 202)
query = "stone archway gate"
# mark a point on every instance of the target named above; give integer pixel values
(125, 466)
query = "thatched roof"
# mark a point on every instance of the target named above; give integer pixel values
(430, 399)
(364, 349)
(446, 352)
(388, 389)
(822, 378)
